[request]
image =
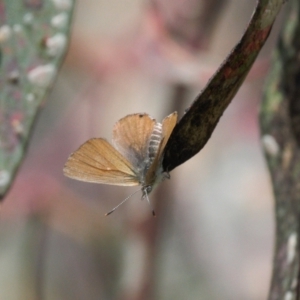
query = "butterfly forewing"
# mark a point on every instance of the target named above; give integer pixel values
(98, 161)
(131, 137)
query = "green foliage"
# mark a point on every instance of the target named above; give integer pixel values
(33, 40)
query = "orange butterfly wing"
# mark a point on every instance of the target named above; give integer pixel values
(168, 125)
(98, 161)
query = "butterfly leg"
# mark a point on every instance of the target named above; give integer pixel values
(147, 190)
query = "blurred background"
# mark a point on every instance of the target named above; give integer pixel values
(213, 235)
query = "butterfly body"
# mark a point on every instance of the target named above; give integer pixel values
(135, 158)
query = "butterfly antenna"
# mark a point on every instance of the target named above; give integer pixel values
(110, 212)
(145, 194)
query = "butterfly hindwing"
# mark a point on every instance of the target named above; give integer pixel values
(131, 137)
(98, 161)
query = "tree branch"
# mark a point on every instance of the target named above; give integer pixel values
(195, 128)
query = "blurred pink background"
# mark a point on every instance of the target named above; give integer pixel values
(213, 236)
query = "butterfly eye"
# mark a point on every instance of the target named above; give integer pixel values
(148, 188)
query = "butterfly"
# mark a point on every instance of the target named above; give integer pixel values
(135, 158)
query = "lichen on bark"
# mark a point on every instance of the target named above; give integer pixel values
(280, 123)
